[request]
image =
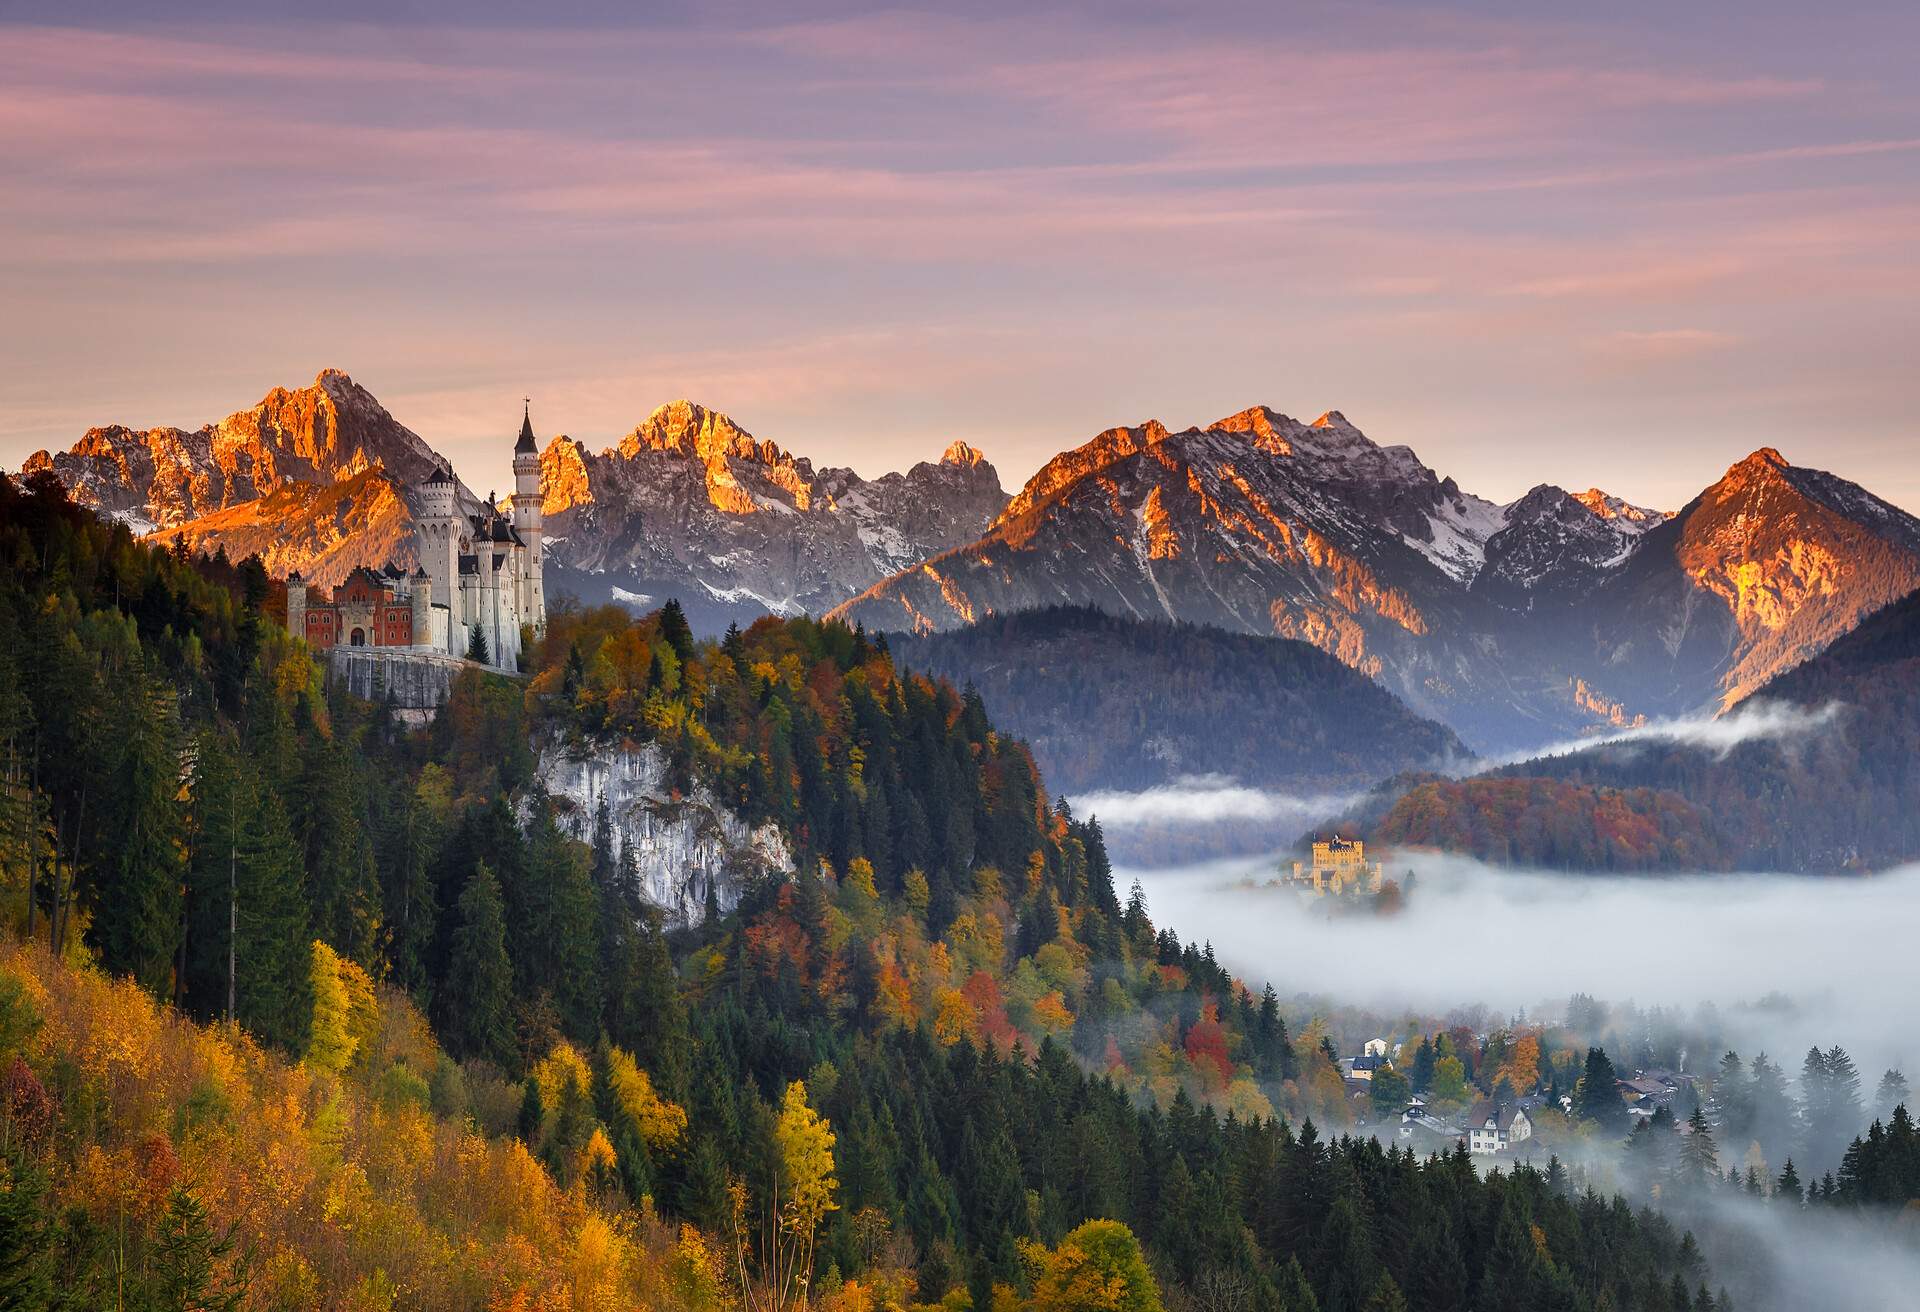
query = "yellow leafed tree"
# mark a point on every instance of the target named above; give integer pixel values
(801, 1196)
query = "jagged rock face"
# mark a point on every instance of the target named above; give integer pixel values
(324, 530)
(163, 477)
(690, 505)
(1258, 523)
(682, 846)
(316, 478)
(1760, 572)
(1555, 546)
(1514, 624)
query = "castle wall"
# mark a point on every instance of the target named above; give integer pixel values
(418, 681)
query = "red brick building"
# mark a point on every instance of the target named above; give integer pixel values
(371, 609)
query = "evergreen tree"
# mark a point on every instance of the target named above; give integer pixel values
(478, 1003)
(1597, 1097)
(273, 991)
(675, 631)
(477, 645)
(1787, 1188)
(343, 885)
(188, 1260)
(137, 911)
(1699, 1158)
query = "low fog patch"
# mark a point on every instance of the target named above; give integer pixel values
(1788, 961)
(1753, 721)
(1203, 816)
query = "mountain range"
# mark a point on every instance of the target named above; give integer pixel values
(688, 504)
(1515, 624)
(322, 478)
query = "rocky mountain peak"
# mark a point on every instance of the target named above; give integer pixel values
(564, 482)
(1626, 515)
(1070, 466)
(960, 453)
(687, 428)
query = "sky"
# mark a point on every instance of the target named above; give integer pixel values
(1580, 244)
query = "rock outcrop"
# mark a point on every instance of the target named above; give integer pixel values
(690, 505)
(683, 845)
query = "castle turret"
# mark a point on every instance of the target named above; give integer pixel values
(297, 605)
(421, 598)
(532, 598)
(437, 538)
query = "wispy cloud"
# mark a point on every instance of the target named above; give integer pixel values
(1206, 799)
(1758, 720)
(1412, 212)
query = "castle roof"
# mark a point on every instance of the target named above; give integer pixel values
(526, 445)
(440, 474)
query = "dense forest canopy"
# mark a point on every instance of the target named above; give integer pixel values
(944, 1063)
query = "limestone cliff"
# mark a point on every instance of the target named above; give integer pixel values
(682, 844)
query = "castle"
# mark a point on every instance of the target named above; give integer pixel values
(1339, 866)
(478, 573)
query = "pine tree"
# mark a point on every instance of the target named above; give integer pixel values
(272, 985)
(187, 1261)
(343, 884)
(28, 1234)
(1597, 1097)
(1699, 1158)
(137, 912)
(477, 646)
(1787, 1188)
(675, 631)
(479, 996)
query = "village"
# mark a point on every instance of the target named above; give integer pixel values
(1487, 1124)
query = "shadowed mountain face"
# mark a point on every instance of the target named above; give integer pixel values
(1514, 624)
(1110, 702)
(690, 505)
(1831, 788)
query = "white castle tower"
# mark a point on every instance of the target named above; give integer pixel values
(526, 523)
(437, 536)
(482, 572)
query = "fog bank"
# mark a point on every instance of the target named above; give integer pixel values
(1789, 960)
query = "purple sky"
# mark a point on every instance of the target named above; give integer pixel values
(1568, 243)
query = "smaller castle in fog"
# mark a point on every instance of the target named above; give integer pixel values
(1339, 865)
(479, 573)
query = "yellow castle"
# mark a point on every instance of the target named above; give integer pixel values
(1339, 866)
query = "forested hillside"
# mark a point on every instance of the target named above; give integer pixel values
(1109, 702)
(1838, 793)
(943, 1064)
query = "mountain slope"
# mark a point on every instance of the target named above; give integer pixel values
(1108, 702)
(1260, 524)
(1758, 573)
(1835, 787)
(163, 477)
(324, 530)
(690, 505)
(318, 479)
(1517, 625)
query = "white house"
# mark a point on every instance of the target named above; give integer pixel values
(1491, 1129)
